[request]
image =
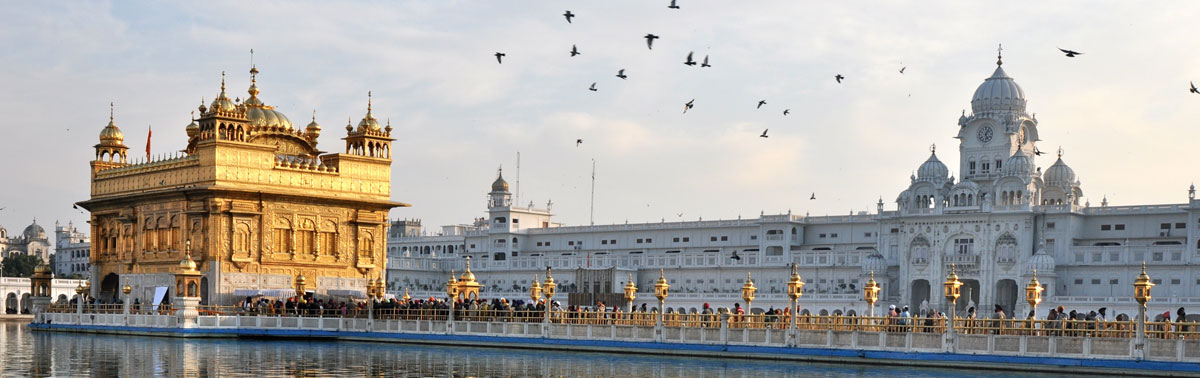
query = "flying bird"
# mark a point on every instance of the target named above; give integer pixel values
(650, 41)
(679, 215)
(786, 111)
(673, 6)
(839, 78)
(578, 142)
(1070, 53)
(568, 15)
(705, 64)
(764, 134)
(1037, 152)
(621, 74)
(902, 70)
(735, 256)
(689, 60)
(688, 105)
(761, 103)
(498, 56)
(593, 87)
(814, 196)
(1194, 90)
(574, 51)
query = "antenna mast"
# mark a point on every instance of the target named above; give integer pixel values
(592, 208)
(518, 189)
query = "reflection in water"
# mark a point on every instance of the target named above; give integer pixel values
(71, 354)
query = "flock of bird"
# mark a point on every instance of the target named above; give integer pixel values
(704, 63)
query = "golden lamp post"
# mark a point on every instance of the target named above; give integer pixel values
(79, 299)
(380, 288)
(630, 292)
(406, 297)
(795, 287)
(548, 290)
(952, 291)
(1033, 294)
(661, 289)
(535, 290)
(300, 284)
(748, 290)
(871, 294)
(1141, 293)
(126, 290)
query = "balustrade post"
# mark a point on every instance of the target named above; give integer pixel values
(724, 327)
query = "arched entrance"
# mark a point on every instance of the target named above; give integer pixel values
(919, 293)
(10, 303)
(109, 287)
(1006, 297)
(26, 302)
(204, 290)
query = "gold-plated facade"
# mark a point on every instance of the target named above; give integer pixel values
(258, 201)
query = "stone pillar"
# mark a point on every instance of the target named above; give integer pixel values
(187, 312)
(1139, 343)
(725, 327)
(40, 305)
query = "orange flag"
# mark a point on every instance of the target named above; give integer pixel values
(149, 132)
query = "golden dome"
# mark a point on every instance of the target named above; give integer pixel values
(313, 129)
(222, 102)
(368, 123)
(187, 264)
(111, 134)
(42, 269)
(467, 276)
(260, 114)
(500, 185)
(193, 128)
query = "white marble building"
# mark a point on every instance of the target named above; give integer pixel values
(1004, 218)
(31, 241)
(72, 251)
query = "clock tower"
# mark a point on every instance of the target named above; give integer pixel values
(996, 128)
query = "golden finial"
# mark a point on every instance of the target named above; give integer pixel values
(999, 50)
(314, 115)
(222, 82)
(111, 108)
(369, 105)
(933, 148)
(1060, 152)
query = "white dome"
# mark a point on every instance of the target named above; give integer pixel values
(998, 93)
(1018, 165)
(933, 170)
(875, 263)
(1059, 174)
(1040, 261)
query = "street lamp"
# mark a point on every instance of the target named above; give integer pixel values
(630, 292)
(871, 294)
(1141, 293)
(795, 287)
(952, 287)
(748, 290)
(406, 297)
(661, 289)
(548, 289)
(126, 290)
(1033, 294)
(535, 290)
(380, 288)
(79, 299)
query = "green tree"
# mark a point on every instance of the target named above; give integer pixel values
(19, 265)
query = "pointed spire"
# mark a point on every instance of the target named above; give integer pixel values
(1060, 152)
(369, 116)
(111, 111)
(999, 55)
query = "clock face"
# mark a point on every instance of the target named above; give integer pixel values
(985, 134)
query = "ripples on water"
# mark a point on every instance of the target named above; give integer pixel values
(40, 354)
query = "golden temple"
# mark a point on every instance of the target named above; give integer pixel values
(254, 200)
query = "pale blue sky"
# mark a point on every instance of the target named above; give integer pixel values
(1121, 111)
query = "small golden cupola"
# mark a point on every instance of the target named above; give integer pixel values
(313, 130)
(369, 140)
(193, 128)
(222, 105)
(112, 147)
